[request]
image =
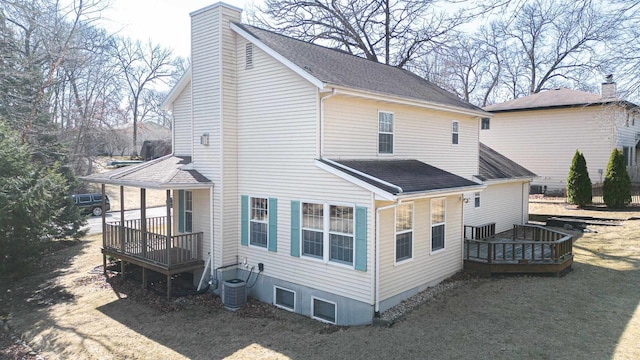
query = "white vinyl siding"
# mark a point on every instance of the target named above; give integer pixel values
(274, 160)
(425, 269)
(544, 141)
(181, 112)
(417, 134)
(505, 204)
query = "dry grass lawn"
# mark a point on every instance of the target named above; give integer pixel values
(65, 312)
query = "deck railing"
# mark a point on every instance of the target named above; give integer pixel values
(479, 232)
(153, 247)
(529, 243)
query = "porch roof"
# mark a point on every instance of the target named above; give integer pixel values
(403, 177)
(495, 166)
(167, 172)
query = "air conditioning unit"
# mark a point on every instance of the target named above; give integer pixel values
(234, 294)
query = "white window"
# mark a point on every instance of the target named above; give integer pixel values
(284, 298)
(438, 218)
(324, 310)
(404, 232)
(485, 124)
(627, 151)
(248, 60)
(259, 222)
(385, 132)
(476, 200)
(188, 211)
(328, 236)
(455, 133)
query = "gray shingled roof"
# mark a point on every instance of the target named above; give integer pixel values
(401, 176)
(552, 99)
(339, 68)
(495, 166)
(165, 173)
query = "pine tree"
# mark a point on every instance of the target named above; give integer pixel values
(616, 189)
(578, 182)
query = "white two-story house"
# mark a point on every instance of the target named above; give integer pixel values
(334, 184)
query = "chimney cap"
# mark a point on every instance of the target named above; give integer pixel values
(609, 78)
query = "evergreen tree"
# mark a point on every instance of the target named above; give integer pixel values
(617, 184)
(578, 182)
(35, 205)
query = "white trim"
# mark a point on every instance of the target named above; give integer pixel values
(378, 192)
(286, 62)
(335, 310)
(431, 225)
(295, 298)
(404, 101)
(250, 206)
(167, 103)
(441, 192)
(326, 233)
(322, 258)
(505, 181)
(396, 233)
(455, 132)
(392, 133)
(213, 6)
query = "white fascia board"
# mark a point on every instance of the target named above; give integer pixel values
(286, 62)
(149, 185)
(379, 193)
(506, 181)
(167, 103)
(411, 102)
(442, 192)
(364, 175)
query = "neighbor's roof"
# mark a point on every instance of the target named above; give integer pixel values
(495, 166)
(340, 68)
(401, 177)
(167, 172)
(555, 99)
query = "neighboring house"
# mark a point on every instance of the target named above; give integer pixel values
(342, 178)
(118, 140)
(543, 131)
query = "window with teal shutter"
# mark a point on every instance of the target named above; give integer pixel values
(181, 211)
(244, 220)
(361, 239)
(273, 224)
(295, 228)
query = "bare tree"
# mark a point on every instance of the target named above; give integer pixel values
(143, 66)
(395, 32)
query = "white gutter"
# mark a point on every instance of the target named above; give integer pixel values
(320, 152)
(376, 308)
(411, 102)
(447, 192)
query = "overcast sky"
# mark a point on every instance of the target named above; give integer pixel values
(165, 22)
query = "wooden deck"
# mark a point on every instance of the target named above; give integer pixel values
(146, 246)
(531, 249)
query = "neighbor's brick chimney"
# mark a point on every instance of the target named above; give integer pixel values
(609, 88)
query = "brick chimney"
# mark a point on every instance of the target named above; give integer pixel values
(609, 88)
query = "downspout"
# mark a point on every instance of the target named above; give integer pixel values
(212, 267)
(320, 153)
(377, 267)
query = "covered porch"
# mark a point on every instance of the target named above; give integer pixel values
(163, 243)
(530, 249)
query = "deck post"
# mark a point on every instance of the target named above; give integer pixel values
(169, 221)
(143, 220)
(168, 286)
(122, 232)
(122, 268)
(144, 277)
(104, 264)
(104, 219)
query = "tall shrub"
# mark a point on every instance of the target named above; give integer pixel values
(616, 189)
(578, 182)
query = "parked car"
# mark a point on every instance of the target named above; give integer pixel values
(91, 203)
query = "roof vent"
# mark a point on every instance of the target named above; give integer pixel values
(248, 60)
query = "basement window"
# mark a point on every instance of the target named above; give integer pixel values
(248, 59)
(323, 310)
(284, 298)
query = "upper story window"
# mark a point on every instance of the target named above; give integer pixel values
(259, 222)
(476, 200)
(248, 59)
(385, 132)
(404, 232)
(485, 122)
(455, 133)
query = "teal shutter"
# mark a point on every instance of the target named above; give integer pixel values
(181, 211)
(295, 228)
(361, 239)
(273, 225)
(244, 220)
